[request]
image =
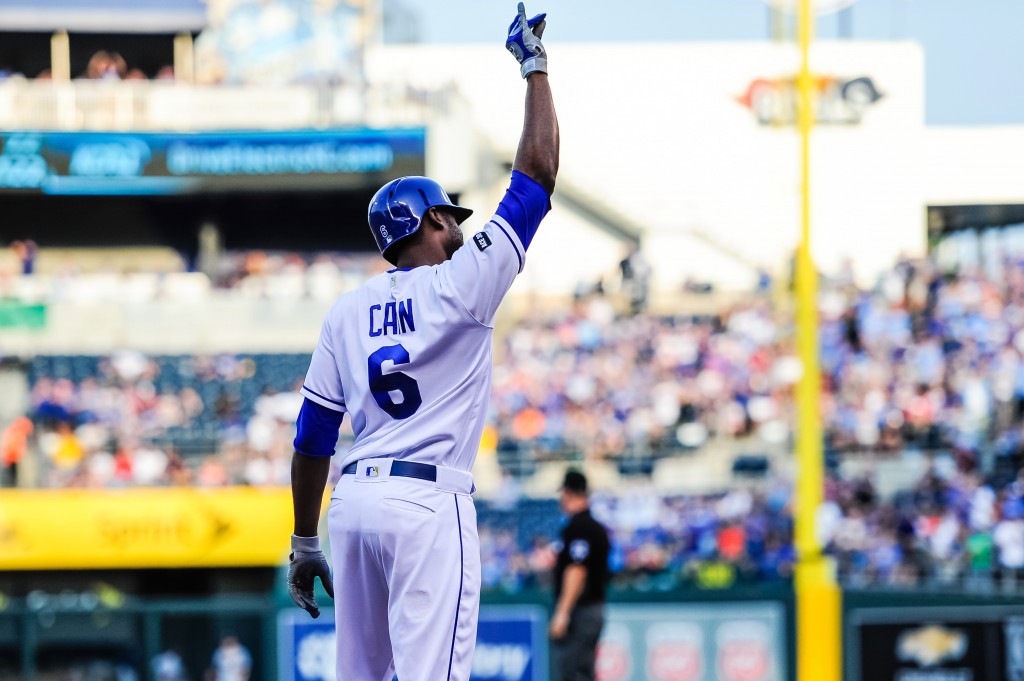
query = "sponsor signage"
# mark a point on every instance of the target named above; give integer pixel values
(511, 645)
(698, 642)
(675, 652)
(938, 644)
(14, 315)
(306, 649)
(137, 528)
(175, 163)
(835, 100)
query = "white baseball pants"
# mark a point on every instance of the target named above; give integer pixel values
(406, 574)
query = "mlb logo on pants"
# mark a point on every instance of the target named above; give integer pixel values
(372, 471)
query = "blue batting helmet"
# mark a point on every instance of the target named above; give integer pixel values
(398, 207)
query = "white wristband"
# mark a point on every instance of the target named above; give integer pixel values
(533, 65)
(305, 544)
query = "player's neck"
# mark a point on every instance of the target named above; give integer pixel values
(421, 255)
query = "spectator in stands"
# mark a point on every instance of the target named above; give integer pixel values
(211, 473)
(1008, 537)
(67, 451)
(927, 362)
(13, 446)
(636, 279)
(980, 549)
(541, 562)
(26, 251)
(106, 66)
(177, 472)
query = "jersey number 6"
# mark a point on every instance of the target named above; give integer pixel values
(382, 385)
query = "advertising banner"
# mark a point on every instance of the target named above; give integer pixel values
(287, 41)
(511, 645)
(135, 528)
(693, 642)
(937, 644)
(305, 646)
(14, 315)
(176, 163)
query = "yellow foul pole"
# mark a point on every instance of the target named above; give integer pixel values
(818, 605)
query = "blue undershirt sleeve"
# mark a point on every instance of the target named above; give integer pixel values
(317, 429)
(525, 204)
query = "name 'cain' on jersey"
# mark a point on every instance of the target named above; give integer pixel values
(409, 354)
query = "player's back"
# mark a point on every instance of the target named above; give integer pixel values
(408, 354)
(416, 368)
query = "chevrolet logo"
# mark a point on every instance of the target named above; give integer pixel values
(931, 645)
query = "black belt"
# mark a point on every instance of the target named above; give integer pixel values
(402, 469)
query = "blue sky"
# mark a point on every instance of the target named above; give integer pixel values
(973, 48)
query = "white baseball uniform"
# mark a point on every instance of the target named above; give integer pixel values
(408, 356)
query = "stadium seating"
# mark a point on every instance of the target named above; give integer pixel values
(922, 421)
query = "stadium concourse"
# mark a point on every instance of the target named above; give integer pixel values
(684, 422)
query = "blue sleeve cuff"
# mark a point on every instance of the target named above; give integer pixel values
(524, 206)
(317, 429)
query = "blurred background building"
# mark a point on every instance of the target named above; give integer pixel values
(183, 188)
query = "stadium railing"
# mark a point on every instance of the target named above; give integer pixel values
(145, 105)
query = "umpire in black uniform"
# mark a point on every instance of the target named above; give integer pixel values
(581, 581)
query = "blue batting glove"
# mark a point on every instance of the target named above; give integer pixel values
(524, 42)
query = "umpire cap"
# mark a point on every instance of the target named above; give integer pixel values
(575, 482)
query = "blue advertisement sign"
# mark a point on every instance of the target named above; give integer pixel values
(511, 645)
(305, 647)
(175, 163)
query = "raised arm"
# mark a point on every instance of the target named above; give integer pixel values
(537, 156)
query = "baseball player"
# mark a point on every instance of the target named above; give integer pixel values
(408, 356)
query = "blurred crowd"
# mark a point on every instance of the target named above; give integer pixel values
(243, 274)
(186, 420)
(949, 530)
(320, 276)
(102, 65)
(594, 384)
(658, 542)
(927, 361)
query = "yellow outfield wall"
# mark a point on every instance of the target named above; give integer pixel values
(139, 528)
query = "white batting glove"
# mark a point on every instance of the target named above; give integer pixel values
(305, 564)
(524, 42)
